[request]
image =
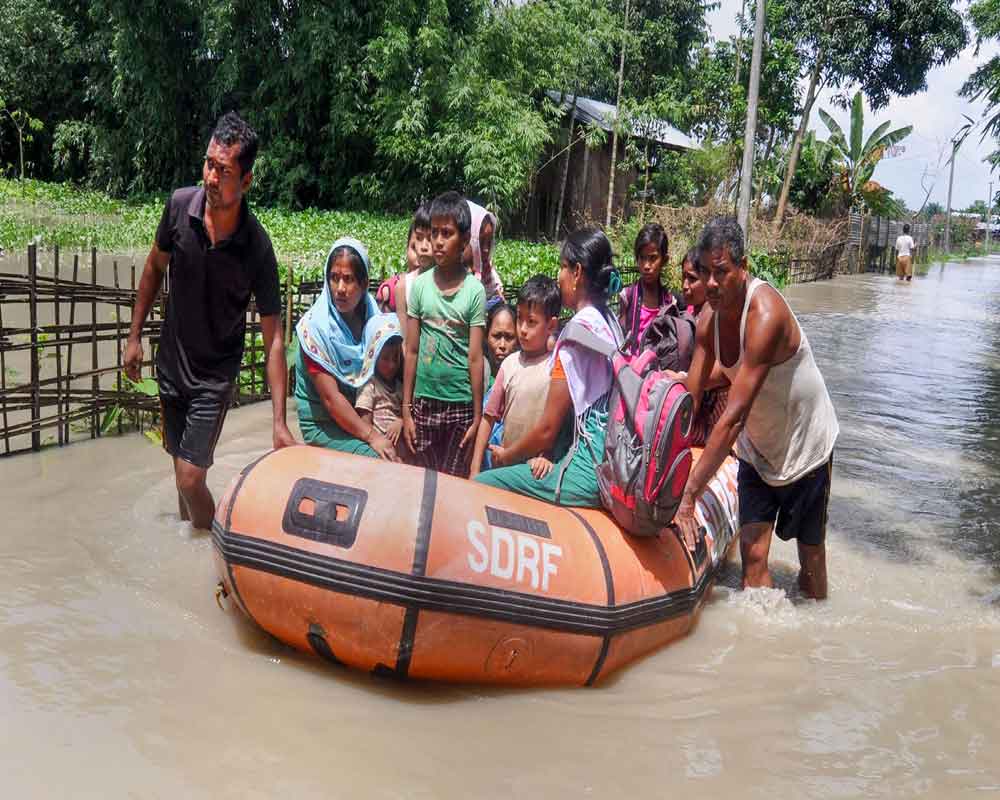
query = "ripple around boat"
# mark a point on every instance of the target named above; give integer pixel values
(403, 571)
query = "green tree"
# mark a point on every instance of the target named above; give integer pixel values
(860, 156)
(984, 83)
(933, 209)
(978, 207)
(716, 103)
(884, 47)
(38, 79)
(813, 187)
(693, 177)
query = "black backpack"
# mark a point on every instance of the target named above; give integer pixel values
(670, 334)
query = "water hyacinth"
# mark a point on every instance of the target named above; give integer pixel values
(58, 214)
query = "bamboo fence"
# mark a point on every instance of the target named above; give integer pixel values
(66, 334)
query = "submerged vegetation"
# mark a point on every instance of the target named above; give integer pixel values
(58, 214)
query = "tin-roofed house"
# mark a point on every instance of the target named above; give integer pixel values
(585, 196)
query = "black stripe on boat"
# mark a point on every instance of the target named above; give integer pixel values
(421, 549)
(609, 583)
(452, 597)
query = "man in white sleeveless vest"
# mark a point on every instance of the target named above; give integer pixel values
(779, 415)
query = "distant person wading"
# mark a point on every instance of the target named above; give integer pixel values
(904, 255)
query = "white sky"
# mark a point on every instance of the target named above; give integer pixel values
(935, 115)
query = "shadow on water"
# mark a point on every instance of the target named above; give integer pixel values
(914, 371)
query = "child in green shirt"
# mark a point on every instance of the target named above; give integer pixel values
(443, 369)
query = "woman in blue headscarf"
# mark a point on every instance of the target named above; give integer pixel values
(340, 338)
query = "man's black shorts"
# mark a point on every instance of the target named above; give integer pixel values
(800, 507)
(192, 423)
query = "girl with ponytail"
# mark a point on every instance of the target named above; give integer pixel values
(580, 381)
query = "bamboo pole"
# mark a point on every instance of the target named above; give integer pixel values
(72, 320)
(618, 111)
(131, 284)
(57, 316)
(95, 384)
(3, 388)
(118, 343)
(36, 411)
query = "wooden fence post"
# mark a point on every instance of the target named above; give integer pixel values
(95, 384)
(69, 355)
(58, 336)
(118, 346)
(36, 405)
(288, 305)
(3, 389)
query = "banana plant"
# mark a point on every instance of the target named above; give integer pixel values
(860, 156)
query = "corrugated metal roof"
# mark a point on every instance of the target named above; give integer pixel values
(591, 111)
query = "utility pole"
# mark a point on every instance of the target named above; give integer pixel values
(750, 133)
(951, 182)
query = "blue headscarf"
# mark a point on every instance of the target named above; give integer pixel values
(326, 338)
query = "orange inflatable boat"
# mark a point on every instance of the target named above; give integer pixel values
(403, 571)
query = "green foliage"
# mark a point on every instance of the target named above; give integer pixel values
(814, 189)
(884, 47)
(880, 201)
(978, 207)
(861, 156)
(984, 82)
(933, 209)
(70, 217)
(772, 267)
(693, 177)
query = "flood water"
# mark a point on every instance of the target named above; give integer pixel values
(120, 677)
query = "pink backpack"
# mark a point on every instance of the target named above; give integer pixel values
(647, 452)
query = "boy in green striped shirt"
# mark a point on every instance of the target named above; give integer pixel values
(443, 370)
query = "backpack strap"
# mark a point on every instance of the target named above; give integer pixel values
(628, 380)
(578, 334)
(635, 306)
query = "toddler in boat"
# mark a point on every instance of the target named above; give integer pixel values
(518, 395)
(380, 401)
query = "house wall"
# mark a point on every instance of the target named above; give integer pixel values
(582, 202)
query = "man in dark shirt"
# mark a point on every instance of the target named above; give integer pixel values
(218, 255)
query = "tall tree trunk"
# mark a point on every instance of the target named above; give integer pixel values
(20, 147)
(750, 133)
(618, 111)
(565, 171)
(793, 159)
(760, 181)
(585, 179)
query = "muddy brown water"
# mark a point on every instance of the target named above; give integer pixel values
(119, 676)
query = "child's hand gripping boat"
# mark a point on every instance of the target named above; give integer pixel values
(403, 571)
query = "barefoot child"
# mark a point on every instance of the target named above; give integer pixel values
(522, 384)
(443, 368)
(642, 300)
(380, 401)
